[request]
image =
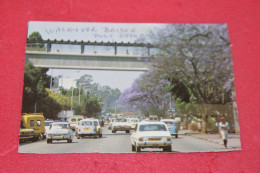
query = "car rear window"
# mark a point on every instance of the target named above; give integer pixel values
(120, 120)
(63, 126)
(87, 123)
(152, 127)
(73, 120)
(168, 122)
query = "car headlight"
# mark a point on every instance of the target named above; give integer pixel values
(140, 139)
(145, 139)
(164, 138)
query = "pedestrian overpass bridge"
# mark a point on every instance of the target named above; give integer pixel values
(90, 55)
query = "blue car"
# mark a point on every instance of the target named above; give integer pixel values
(171, 126)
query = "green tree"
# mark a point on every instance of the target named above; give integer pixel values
(91, 106)
(35, 36)
(53, 104)
(35, 82)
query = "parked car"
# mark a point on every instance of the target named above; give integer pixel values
(73, 121)
(47, 126)
(171, 126)
(88, 127)
(133, 122)
(151, 135)
(121, 124)
(59, 131)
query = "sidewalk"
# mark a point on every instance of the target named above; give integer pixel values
(233, 139)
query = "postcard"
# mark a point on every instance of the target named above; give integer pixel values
(128, 88)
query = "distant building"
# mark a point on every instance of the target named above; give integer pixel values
(65, 115)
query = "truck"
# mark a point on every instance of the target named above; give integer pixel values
(34, 121)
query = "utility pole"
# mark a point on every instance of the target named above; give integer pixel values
(51, 78)
(71, 99)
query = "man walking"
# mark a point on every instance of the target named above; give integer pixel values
(223, 127)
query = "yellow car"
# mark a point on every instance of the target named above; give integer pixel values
(26, 135)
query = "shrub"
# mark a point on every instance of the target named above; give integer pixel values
(193, 126)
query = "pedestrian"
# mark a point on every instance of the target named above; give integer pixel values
(177, 122)
(199, 125)
(223, 127)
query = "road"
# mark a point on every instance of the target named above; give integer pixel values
(116, 143)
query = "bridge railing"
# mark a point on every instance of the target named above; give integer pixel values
(80, 47)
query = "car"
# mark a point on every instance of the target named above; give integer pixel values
(151, 135)
(73, 121)
(110, 123)
(47, 126)
(133, 122)
(88, 127)
(121, 124)
(26, 135)
(171, 126)
(59, 131)
(153, 118)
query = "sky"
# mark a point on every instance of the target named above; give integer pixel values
(112, 32)
(114, 79)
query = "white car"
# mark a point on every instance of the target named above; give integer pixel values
(133, 122)
(59, 131)
(110, 123)
(121, 124)
(73, 121)
(88, 127)
(47, 126)
(151, 135)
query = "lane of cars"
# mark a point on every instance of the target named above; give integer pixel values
(148, 133)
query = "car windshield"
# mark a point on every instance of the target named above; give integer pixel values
(120, 120)
(63, 126)
(152, 127)
(48, 123)
(168, 122)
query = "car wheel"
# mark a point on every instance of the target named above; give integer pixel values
(35, 139)
(167, 149)
(70, 141)
(113, 131)
(137, 149)
(127, 131)
(133, 147)
(100, 135)
(176, 136)
(51, 141)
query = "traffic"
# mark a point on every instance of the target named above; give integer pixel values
(143, 133)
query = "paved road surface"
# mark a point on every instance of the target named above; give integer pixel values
(116, 143)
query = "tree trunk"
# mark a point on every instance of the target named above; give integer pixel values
(204, 125)
(185, 121)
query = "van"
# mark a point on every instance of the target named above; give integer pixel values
(34, 121)
(73, 121)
